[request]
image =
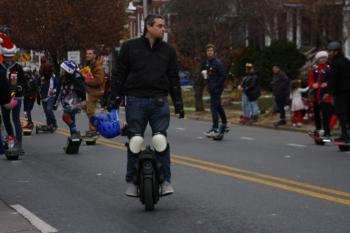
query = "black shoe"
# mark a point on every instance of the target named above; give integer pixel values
(281, 122)
(255, 118)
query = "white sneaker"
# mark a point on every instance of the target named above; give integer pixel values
(166, 189)
(132, 190)
(212, 133)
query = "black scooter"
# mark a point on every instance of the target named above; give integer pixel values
(149, 178)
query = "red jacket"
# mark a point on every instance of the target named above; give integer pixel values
(320, 74)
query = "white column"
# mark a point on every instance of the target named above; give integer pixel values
(298, 32)
(246, 36)
(346, 28)
(275, 28)
(290, 25)
(268, 34)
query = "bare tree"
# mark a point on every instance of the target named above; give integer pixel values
(61, 25)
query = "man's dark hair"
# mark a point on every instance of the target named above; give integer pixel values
(210, 46)
(149, 20)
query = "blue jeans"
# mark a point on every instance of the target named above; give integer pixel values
(245, 105)
(6, 114)
(254, 108)
(28, 105)
(48, 110)
(217, 110)
(69, 119)
(250, 108)
(139, 112)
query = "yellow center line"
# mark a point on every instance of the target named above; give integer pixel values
(236, 173)
(267, 183)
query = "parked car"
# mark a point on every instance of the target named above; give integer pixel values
(185, 78)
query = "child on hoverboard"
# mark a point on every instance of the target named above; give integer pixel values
(318, 82)
(30, 93)
(49, 88)
(72, 95)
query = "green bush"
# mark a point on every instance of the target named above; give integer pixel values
(281, 52)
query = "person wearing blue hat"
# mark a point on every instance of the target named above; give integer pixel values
(72, 94)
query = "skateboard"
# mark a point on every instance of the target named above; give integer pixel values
(319, 140)
(89, 140)
(342, 146)
(11, 152)
(43, 129)
(27, 131)
(72, 146)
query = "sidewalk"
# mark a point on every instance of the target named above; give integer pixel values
(233, 118)
(13, 222)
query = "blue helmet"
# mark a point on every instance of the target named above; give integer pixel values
(107, 124)
(69, 66)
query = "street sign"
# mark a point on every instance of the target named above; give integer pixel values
(25, 57)
(74, 56)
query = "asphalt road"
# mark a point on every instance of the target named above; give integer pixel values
(255, 180)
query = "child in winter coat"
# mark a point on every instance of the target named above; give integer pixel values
(318, 82)
(72, 94)
(297, 103)
(29, 96)
(49, 88)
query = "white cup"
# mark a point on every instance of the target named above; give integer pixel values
(205, 74)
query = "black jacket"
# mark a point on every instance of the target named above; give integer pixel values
(280, 85)
(251, 87)
(216, 75)
(339, 81)
(5, 94)
(31, 86)
(72, 90)
(15, 77)
(146, 71)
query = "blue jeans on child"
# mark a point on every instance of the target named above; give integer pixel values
(69, 118)
(48, 106)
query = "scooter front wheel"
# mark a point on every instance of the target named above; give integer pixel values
(148, 194)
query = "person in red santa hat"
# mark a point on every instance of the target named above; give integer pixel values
(318, 81)
(13, 72)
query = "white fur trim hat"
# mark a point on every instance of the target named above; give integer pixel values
(321, 54)
(7, 47)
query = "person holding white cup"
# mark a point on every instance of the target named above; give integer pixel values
(213, 72)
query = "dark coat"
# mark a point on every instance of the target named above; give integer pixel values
(216, 75)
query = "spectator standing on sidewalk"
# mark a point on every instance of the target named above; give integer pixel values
(297, 103)
(250, 94)
(280, 86)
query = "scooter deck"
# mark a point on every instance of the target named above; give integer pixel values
(319, 140)
(72, 146)
(221, 135)
(343, 146)
(43, 129)
(89, 140)
(27, 132)
(12, 154)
